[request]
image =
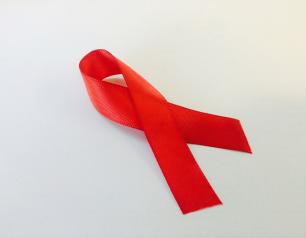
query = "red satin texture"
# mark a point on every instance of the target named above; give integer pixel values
(167, 127)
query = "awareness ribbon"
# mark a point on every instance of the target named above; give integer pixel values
(167, 127)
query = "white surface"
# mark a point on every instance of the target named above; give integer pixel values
(65, 171)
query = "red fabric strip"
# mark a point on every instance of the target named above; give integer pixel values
(168, 127)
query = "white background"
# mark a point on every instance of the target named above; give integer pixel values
(66, 171)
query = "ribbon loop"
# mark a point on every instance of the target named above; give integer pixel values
(168, 127)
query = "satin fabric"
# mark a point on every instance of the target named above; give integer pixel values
(168, 127)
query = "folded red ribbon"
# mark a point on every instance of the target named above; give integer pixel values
(168, 127)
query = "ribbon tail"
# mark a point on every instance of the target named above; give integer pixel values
(210, 130)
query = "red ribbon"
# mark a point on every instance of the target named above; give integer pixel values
(168, 127)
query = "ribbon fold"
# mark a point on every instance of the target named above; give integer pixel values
(167, 127)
